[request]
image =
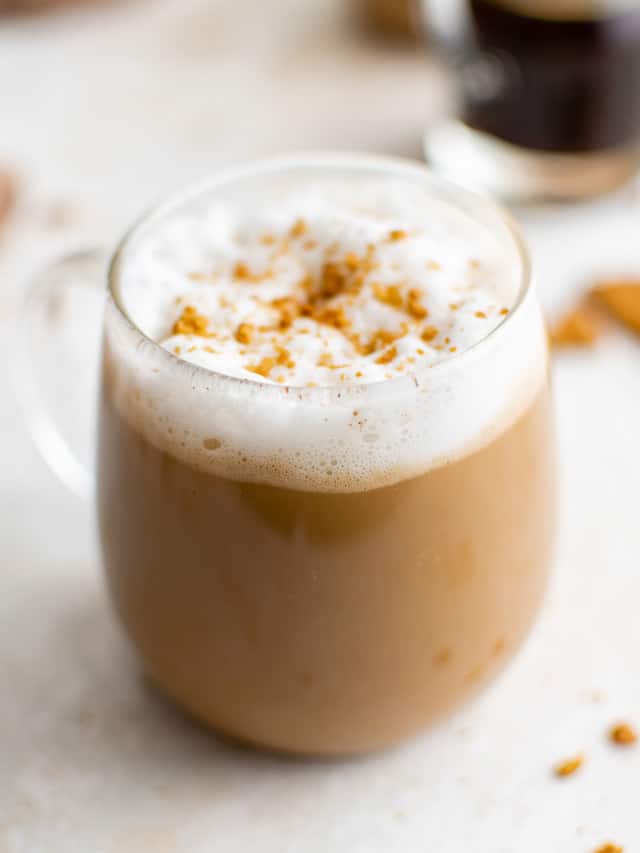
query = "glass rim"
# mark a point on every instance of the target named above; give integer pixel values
(465, 199)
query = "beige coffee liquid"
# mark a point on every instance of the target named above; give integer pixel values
(327, 623)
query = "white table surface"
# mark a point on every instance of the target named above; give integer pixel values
(106, 109)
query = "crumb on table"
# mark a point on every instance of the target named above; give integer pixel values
(621, 298)
(569, 766)
(623, 734)
(579, 327)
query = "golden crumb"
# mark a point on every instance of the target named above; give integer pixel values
(454, 306)
(580, 327)
(263, 368)
(332, 316)
(609, 848)
(345, 277)
(326, 360)
(623, 734)
(199, 277)
(177, 350)
(420, 351)
(298, 229)
(397, 234)
(241, 272)
(288, 309)
(480, 315)
(358, 374)
(268, 239)
(429, 334)
(453, 349)
(190, 322)
(284, 357)
(379, 340)
(568, 767)
(417, 310)
(622, 300)
(332, 280)
(504, 312)
(244, 333)
(387, 356)
(352, 261)
(309, 245)
(388, 294)
(415, 306)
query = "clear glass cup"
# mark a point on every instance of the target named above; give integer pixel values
(548, 95)
(318, 616)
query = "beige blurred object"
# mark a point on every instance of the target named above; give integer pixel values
(388, 17)
(27, 6)
(7, 195)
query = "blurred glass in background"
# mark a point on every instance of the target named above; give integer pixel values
(392, 18)
(548, 94)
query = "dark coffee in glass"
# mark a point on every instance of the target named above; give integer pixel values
(548, 77)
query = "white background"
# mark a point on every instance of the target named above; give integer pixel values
(105, 110)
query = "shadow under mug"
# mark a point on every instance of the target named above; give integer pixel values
(319, 616)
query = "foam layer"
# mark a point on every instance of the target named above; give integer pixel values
(324, 286)
(346, 435)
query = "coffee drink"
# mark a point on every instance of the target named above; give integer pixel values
(548, 103)
(326, 473)
(568, 69)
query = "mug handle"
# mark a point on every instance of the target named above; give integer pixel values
(55, 368)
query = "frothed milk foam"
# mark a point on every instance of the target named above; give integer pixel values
(315, 297)
(391, 260)
(326, 499)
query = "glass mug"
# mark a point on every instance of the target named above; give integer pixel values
(548, 94)
(316, 618)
